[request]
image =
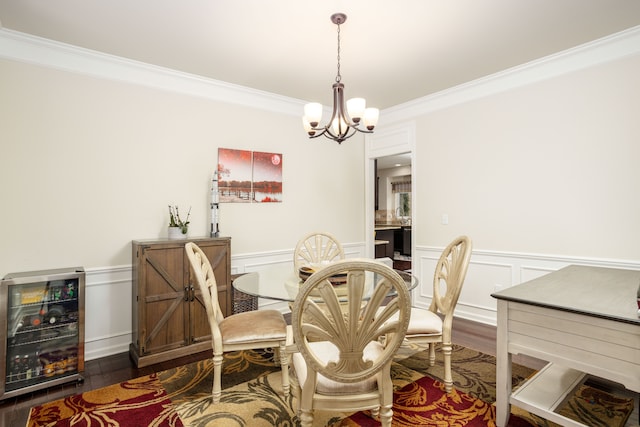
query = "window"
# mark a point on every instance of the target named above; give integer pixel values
(401, 188)
(403, 205)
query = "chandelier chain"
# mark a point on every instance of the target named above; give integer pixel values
(338, 76)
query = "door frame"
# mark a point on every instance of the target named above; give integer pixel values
(387, 141)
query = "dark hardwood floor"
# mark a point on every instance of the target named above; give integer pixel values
(117, 368)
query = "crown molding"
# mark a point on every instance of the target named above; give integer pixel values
(616, 46)
(27, 48)
(35, 50)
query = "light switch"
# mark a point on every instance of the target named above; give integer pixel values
(445, 219)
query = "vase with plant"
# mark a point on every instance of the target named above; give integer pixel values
(178, 228)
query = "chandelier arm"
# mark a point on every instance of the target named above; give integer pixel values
(350, 135)
(324, 130)
(335, 106)
(339, 111)
(361, 130)
(341, 137)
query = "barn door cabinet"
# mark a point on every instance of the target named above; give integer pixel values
(168, 314)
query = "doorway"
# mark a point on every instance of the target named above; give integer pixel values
(393, 214)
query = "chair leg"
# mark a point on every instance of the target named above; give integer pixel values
(216, 392)
(448, 379)
(276, 355)
(386, 397)
(386, 415)
(432, 354)
(284, 367)
(305, 401)
(306, 418)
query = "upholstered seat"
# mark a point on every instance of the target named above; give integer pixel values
(242, 331)
(326, 351)
(241, 327)
(424, 322)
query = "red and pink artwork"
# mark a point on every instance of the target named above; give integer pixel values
(249, 176)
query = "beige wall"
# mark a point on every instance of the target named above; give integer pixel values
(89, 164)
(548, 168)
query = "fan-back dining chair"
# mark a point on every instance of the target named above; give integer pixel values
(242, 331)
(316, 248)
(338, 360)
(434, 325)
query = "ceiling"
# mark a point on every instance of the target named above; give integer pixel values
(394, 161)
(392, 51)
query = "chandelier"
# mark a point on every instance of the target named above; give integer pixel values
(344, 122)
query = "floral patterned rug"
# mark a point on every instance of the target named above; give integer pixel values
(425, 403)
(139, 402)
(252, 396)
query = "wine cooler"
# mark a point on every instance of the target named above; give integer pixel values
(42, 329)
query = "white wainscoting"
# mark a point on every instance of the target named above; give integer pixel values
(107, 311)
(108, 290)
(491, 271)
(108, 299)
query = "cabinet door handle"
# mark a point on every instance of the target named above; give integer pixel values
(186, 293)
(193, 293)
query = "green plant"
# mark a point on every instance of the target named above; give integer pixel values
(175, 221)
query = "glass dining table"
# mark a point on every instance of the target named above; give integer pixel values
(280, 282)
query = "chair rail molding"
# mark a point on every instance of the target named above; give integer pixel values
(492, 271)
(108, 289)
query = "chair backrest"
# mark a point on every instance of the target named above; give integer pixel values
(449, 275)
(201, 267)
(316, 247)
(351, 316)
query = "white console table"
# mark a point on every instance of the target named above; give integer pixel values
(583, 321)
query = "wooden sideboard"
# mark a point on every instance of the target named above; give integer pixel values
(168, 315)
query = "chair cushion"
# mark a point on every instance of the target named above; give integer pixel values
(252, 326)
(326, 351)
(424, 322)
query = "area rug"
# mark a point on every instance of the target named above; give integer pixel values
(426, 403)
(138, 402)
(252, 396)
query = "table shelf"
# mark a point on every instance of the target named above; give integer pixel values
(547, 390)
